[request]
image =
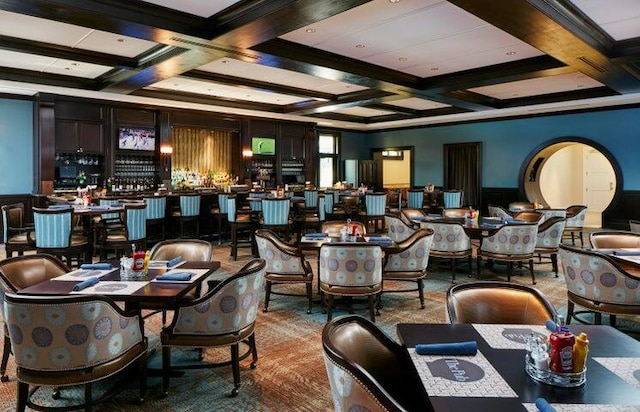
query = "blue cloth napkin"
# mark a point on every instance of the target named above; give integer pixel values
(316, 235)
(468, 348)
(96, 266)
(627, 252)
(551, 325)
(544, 406)
(174, 276)
(59, 206)
(174, 261)
(98, 207)
(379, 239)
(85, 284)
(434, 215)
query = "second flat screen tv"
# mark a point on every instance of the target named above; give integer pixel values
(136, 139)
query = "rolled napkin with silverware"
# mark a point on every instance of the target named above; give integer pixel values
(316, 235)
(181, 277)
(96, 266)
(379, 240)
(174, 261)
(85, 284)
(468, 348)
(627, 252)
(544, 406)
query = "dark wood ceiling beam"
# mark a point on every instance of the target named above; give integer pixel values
(536, 23)
(360, 98)
(28, 76)
(208, 100)
(557, 97)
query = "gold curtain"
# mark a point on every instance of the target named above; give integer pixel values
(201, 150)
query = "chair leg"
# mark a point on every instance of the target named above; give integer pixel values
(235, 365)
(581, 241)
(254, 350)
(88, 397)
(554, 262)
(310, 296)
(533, 276)
(478, 266)
(570, 307)
(509, 270)
(421, 293)
(372, 312)
(142, 373)
(329, 307)
(597, 318)
(267, 295)
(453, 270)
(612, 320)
(470, 267)
(23, 395)
(166, 369)
(5, 359)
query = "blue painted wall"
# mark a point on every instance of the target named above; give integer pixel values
(507, 143)
(16, 146)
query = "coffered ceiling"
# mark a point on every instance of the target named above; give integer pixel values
(352, 64)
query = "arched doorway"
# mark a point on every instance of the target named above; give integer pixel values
(570, 171)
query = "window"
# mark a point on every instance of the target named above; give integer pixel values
(328, 149)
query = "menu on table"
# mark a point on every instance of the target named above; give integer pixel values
(83, 274)
(627, 369)
(580, 407)
(160, 264)
(112, 287)
(509, 336)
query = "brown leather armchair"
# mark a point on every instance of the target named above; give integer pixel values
(609, 239)
(498, 302)
(455, 213)
(18, 273)
(376, 370)
(529, 216)
(17, 237)
(333, 227)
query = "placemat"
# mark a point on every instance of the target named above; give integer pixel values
(627, 369)
(578, 407)
(112, 287)
(461, 376)
(195, 274)
(509, 336)
(82, 274)
(159, 264)
(317, 239)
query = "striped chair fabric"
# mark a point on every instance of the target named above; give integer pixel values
(310, 199)
(256, 205)
(415, 199)
(222, 202)
(231, 208)
(322, 211)
(136, 218)
(109, 202)
(328, 202)
(276, 211)
(156, 207)
(375, 203)
(53, 230)
(452, 199)
(189, 205)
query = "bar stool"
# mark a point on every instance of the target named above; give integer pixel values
(241, 227)
(415, 199)
(156, 208)
(452, 199)
(275, 216)
(189, 212)
(219, 214)
(17, 236)
(54, 234)
(375, 207)
(133, 232)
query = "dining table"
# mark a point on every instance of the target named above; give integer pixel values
(494, 379)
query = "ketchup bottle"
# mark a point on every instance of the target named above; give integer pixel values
(138, 259)
(561, 348)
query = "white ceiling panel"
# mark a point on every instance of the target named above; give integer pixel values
(238, 68)
(619, 18)
(69, 35)
(202, 8)
(224, 91)
(363, 112)
(539, 86)
(416, 103)
(51, 65)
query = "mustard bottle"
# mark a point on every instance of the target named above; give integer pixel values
(580, 350)
(147, 258)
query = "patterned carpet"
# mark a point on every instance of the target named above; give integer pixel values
(290, 375)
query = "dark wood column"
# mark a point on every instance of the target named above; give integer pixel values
(44, 138)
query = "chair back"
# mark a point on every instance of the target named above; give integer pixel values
(550, 233)
(576, 215)
(310, 198)
(53, 227)
(394, 200)
(448, 237)
(350, 203)
(187, 249)
(222, 202)
(397, 229)
(231, 306)
(12, 217)
(415, 198)
(594, 276)
(454, 213)
(333, 227)
(189, 205)
(452, 198)
(367, 369)
(548, 213)
(412, 254)
(515, 207)
(634, 225)
(88, 330)
(279, 256)
(512, 239)
(609, 239)
(350, 264)
(232, 209)
(498, 302)
(528, 216)
(329, 202)
(375, 203)
(20, 272)
(499, 211)
(156, 207)
(135, 215)
(322, 211)
(275, 212)
(109, 202)
(408, 215)
(256, 205)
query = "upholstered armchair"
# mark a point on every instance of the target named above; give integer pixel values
(409, 215)
(333, 227)
(17, 236)
(498, 302)
(72, 340)
(397, 229)
(511, 243)
(21, 272)
(408, 263)
(516, 207)
(549, 238)
(576, 216)
(634, 225)
(455, 213)
(599, 284)
(529, 217)
(367, 370)
(350, 269)
(610, 239)
(499, 211)
(224, 316)
(285, 264)
(453, 199)
(450, 241)
(120, 239)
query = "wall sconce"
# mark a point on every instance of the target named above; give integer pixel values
(247, 154)
(166, 150)
(165, 153)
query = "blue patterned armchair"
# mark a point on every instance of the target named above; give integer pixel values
(397, 229)
(450, 241)
(576, 216)
(72, 340)
(549, 238)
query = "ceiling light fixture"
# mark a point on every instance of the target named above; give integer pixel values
(434, 69)
(402, 59)
(394, 1)
(310, 30)
(121, 40)
(510, 53)
(359, 46)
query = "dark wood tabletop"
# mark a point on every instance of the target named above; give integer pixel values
(602, 385)
(163, 293)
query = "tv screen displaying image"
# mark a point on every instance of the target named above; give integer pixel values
(137, 139)
(263, 145)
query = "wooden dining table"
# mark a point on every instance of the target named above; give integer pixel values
(495, 378)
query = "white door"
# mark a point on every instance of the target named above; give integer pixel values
(599, 185)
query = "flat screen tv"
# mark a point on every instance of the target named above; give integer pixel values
(130, 138)
(263, 146)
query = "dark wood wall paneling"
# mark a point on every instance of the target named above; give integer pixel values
(501, 196)
(618, 214)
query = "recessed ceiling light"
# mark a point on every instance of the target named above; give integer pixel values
(310, 30)
(434, 69)
(121, 40)
(402, 59)
(75, 64)
(510, 53)
(176, 85)
(359, 46)
(248, 95)
(580, 86)
(394, 1)
(225, 61)
(515, 95)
